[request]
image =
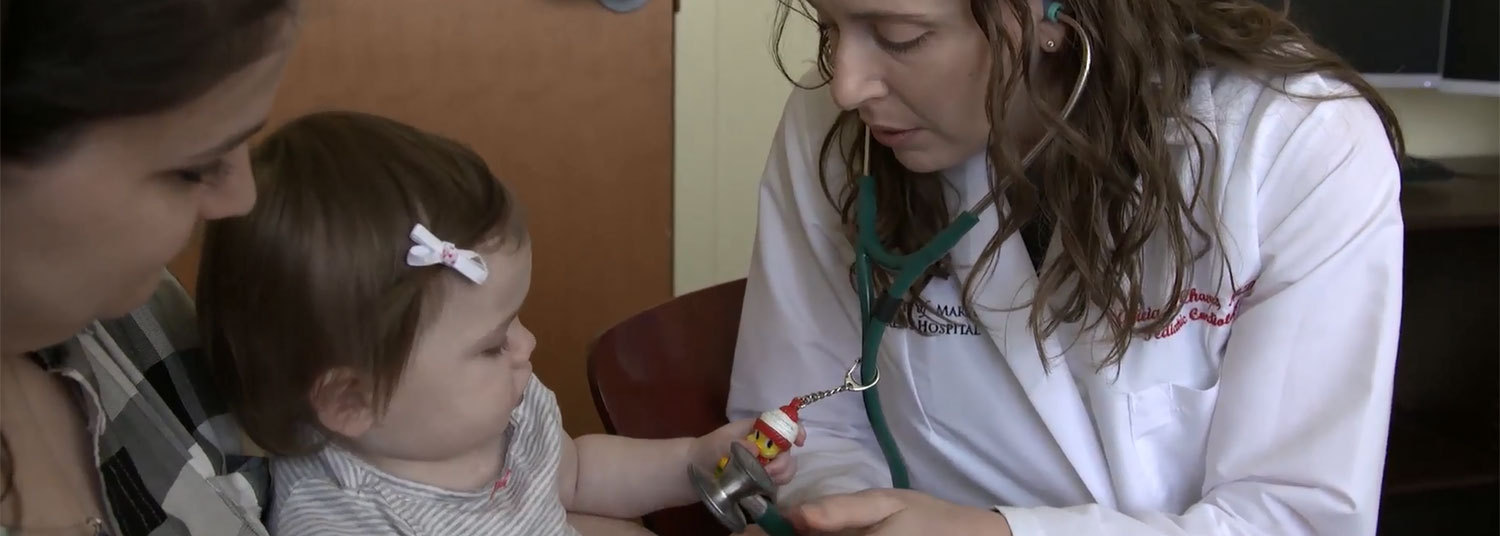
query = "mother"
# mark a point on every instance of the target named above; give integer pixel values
(125, 124)
(1179, 319)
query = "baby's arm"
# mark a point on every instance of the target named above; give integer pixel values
(624, 477)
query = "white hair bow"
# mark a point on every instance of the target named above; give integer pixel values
(430, 250)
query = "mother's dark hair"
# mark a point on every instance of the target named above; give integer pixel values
(65, 64)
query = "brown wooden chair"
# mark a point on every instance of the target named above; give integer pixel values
(665, 373)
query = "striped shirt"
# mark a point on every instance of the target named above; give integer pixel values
(334, 492)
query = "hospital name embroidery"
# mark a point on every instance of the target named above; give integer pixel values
(1201, 307)
(951, 320)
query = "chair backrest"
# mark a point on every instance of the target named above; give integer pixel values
(664, 373)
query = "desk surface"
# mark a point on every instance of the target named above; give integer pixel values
(1470, 199)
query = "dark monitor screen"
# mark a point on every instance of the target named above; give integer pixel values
(1473, 44)
(1394, 43)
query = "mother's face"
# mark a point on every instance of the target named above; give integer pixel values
(87, 232)
(918, 73)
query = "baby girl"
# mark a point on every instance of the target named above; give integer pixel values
(363, 320)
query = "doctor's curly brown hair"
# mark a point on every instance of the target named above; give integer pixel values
(1146, 53)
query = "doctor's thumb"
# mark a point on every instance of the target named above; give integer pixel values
(836, 513)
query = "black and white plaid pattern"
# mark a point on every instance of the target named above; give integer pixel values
(170, 456)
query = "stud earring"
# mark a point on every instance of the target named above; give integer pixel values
(1049, 46)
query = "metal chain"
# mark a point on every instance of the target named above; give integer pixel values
(849, 385)
(808, 399)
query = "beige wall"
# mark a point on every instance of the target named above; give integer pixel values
(729, 99)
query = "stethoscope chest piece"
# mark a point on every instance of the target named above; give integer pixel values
(743, 482)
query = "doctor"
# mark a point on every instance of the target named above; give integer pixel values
(1180, 318)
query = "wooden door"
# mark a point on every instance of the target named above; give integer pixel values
(569, 103)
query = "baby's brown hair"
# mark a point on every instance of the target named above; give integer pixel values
(315, 277)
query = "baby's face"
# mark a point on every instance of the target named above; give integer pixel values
(469, 365)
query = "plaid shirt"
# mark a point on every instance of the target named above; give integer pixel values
(169, 454)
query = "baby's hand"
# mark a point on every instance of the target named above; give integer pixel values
(707, 450)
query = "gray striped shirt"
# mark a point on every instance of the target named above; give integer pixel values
(334, 492)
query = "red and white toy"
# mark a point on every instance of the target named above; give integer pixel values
(773, 433)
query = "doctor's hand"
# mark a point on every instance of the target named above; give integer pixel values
(707, 450)
(893, 512)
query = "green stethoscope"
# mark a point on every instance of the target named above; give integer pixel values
(878, 312)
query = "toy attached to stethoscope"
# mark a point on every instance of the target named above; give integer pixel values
(741, 482)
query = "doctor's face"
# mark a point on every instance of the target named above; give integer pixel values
(917, 71)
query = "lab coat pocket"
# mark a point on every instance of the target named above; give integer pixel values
(1170, 424)
(1170, 408)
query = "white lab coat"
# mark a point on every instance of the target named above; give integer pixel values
(1262, 410)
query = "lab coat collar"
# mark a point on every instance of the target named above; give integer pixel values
(1200, 107)
(1001, 306)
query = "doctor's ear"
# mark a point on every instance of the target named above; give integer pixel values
(1050, 35)
(343, 401)
(1050, 32)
